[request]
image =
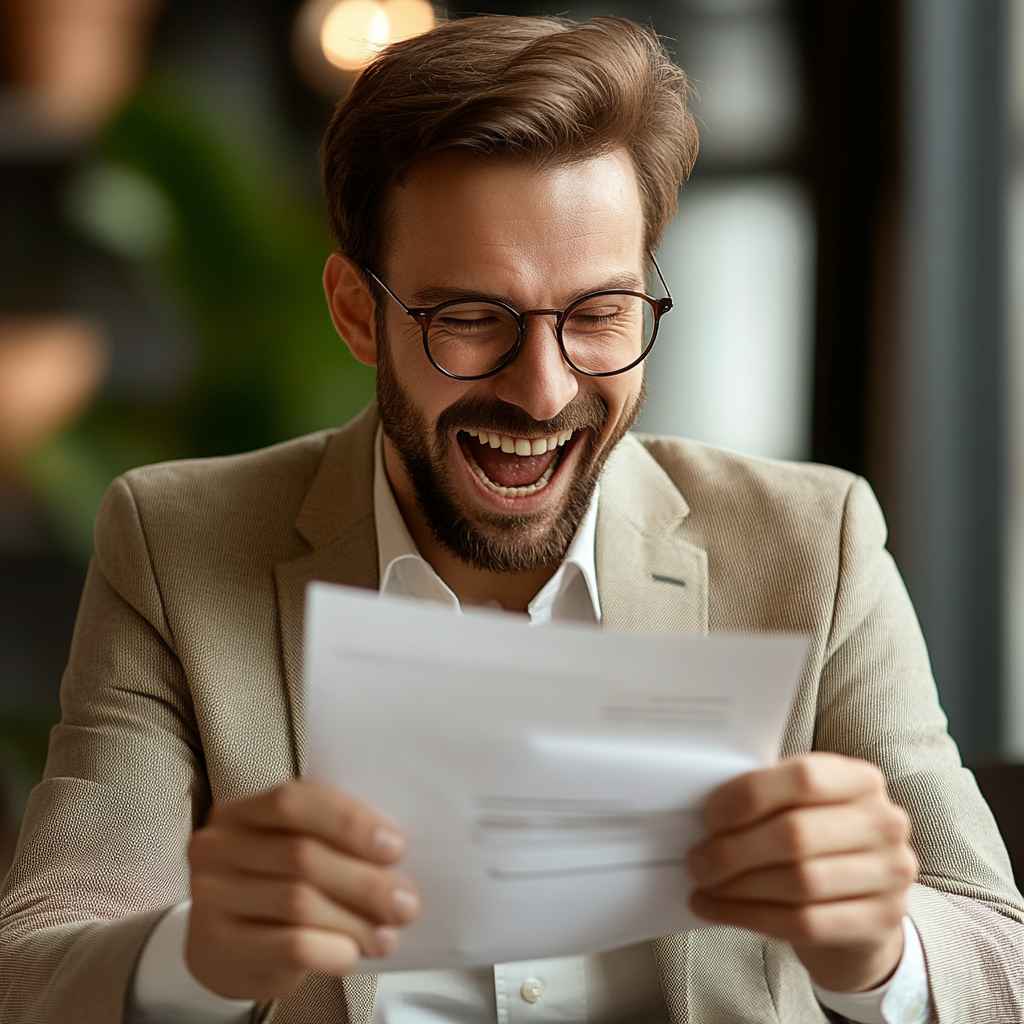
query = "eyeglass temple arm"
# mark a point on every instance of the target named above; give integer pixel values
(661, 277)
(367, 270)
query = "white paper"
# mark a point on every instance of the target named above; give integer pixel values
(546, 778)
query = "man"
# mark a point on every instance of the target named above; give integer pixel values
(496, 188)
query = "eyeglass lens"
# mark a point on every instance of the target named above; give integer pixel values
(602, 334)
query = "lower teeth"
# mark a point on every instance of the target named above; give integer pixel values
(515, 492)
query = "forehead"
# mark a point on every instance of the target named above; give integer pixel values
(487, 222)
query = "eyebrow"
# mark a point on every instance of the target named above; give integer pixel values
(434, 295)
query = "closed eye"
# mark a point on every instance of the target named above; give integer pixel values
(465, 323)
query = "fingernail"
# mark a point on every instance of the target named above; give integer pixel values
(405, 902)
(387, 841)
(387, 941)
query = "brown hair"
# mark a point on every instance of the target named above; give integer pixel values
(549, 89)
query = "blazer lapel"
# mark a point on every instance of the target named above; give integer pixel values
(650, 578)
(337, 521)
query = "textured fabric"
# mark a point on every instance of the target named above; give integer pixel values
(184, 685)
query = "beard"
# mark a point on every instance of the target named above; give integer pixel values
(494, 541)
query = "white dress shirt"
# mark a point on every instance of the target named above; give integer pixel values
(619, 985)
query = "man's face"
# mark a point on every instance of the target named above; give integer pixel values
(535, 238)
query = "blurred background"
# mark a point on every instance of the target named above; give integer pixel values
(845, 264)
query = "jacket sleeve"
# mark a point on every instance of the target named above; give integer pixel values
(878, 701)
(102, 852)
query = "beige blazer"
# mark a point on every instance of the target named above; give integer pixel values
(184, 687)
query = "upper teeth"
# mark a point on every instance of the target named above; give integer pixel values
(521, 445)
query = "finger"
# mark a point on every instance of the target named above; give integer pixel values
(276, 901)
(382, 895)
(839, 923)
(794, 836)
(273, 947)
(313, 808)
(816, 778)
(823, 879)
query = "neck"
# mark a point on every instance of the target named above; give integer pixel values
(513, 591)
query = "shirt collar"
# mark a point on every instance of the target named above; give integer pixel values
(399, 561)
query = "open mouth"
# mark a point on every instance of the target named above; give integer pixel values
(515, 467)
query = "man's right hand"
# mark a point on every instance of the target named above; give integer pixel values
(296, 879)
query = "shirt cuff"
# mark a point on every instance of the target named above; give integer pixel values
(164, 987)
(903, 999)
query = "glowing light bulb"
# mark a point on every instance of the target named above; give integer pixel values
(333, 39)
(409, 18)
(353, 32)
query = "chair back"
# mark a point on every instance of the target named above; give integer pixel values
(1002, 785)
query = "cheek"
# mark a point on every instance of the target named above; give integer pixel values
(619, 394)
(429, 391)
(405, 342)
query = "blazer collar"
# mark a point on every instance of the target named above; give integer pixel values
(336, 520)
(340, 499)
(650, 579)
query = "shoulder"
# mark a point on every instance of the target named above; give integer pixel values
(704, 472)
(249, 500)
(272, 477)
(730, 493)
(782, 537)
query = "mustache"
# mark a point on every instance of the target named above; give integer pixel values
(583, 412)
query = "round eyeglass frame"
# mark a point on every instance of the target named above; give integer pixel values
(425, 315)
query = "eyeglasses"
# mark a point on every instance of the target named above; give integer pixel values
(599, 334)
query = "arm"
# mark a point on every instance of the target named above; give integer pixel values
(102, 849)
(830, 852)
(877, 701)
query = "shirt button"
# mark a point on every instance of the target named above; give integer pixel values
(532, 989)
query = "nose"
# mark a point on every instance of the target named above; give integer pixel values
(538, 380)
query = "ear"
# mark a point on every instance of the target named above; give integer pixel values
(352, 307)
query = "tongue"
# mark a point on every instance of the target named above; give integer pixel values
(508, 470)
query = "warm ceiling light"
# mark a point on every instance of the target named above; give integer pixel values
(409, 18)
(353, 32)
(333, 39)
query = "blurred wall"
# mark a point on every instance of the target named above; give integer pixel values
(947, 457)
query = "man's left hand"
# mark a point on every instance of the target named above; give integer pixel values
(812, 851)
